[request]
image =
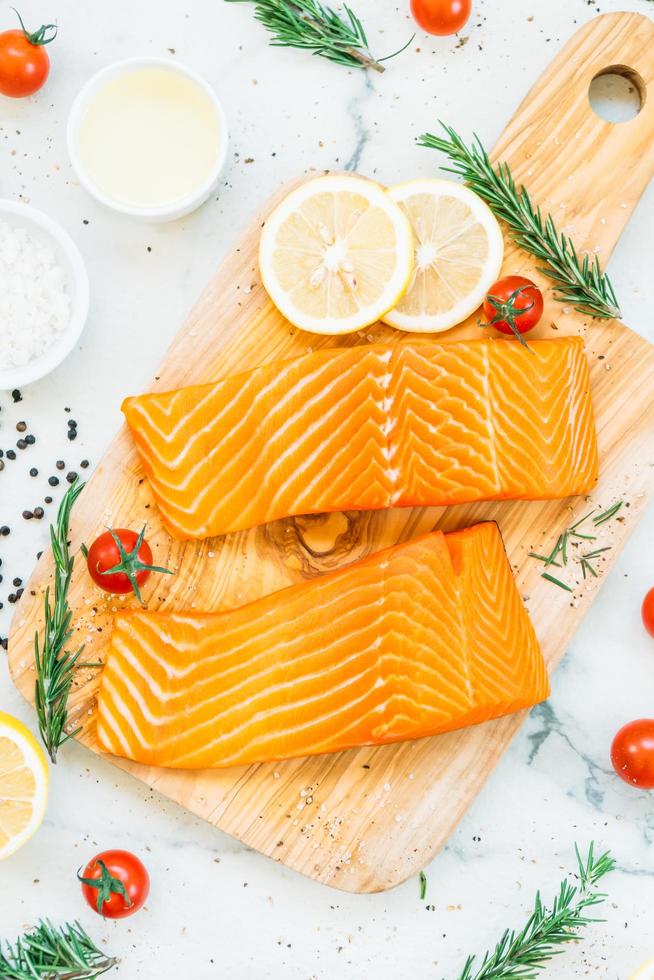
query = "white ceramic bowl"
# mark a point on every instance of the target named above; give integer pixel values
(168, 212)
(68, 255)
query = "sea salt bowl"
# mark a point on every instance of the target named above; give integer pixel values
(44, 229)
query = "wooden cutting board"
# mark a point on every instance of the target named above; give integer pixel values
(364, 820)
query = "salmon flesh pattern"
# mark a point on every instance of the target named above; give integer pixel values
(419, 639)
(363, 428)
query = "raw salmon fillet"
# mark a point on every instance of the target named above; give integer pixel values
(363, 428)
(419, 639)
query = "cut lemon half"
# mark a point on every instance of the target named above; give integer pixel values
(646, 972)
(459, 252)
(336, 254)
(24, 778)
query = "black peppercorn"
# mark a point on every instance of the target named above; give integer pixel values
(72, 476)
(38, 513)
(28, 515)
(53, 481)
(11, 454)
(30, 439)
(34, 471)
(84, 464)
(60, 464)
(21, 443)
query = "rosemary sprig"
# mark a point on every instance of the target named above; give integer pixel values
(579, 282)
(314, 27)
(522, 955)
(54, 665)
(49, 953)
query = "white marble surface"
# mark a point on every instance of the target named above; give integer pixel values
(216, 909)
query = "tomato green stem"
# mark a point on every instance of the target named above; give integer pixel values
(130, 563)
(107, 886)
(508, 312)
(44, 35)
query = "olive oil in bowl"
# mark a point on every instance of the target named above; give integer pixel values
(148, 138)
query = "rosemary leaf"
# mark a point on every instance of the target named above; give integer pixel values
(607, 514)
(598, 551)
(587, 567)
(581, 520)
(556, 581)
(522, 955)
(586, 561)
(560, 549)
(312, 26)
(580, 283)
(564, 547)
(545, 558)
(49, 953)
(55, 666)
(423, 886)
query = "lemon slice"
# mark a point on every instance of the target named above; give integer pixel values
(336, 254)
(459, 251)
(24, 779)
(646, 972)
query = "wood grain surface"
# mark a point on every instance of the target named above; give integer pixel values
(365, 820)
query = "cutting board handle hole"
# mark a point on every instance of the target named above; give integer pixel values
(617, 94)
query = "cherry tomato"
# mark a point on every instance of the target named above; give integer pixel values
(648, 612)
(24, 62)
(441, 17)
(632, 753)
(120, 561)
(115, 884)
(513, 305)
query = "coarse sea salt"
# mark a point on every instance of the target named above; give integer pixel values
(34, 300)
